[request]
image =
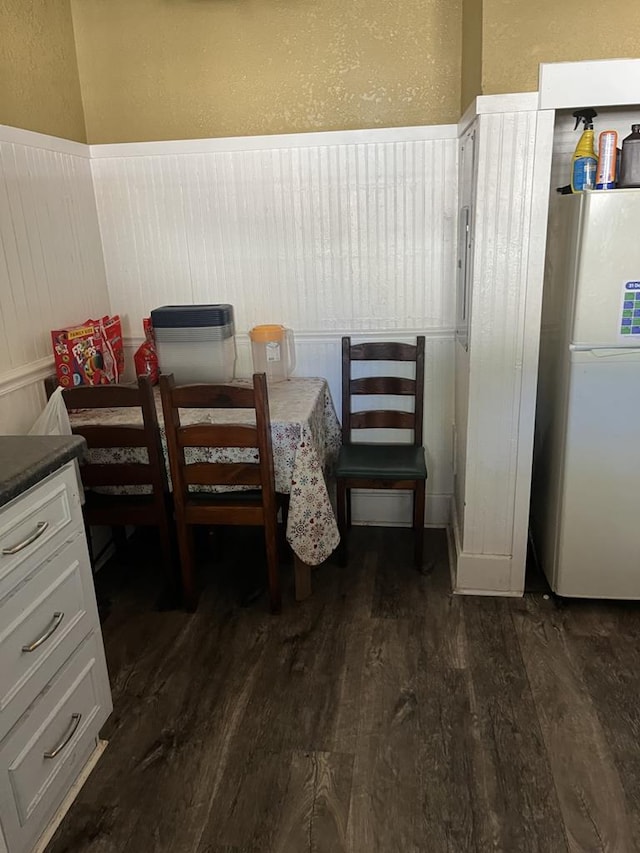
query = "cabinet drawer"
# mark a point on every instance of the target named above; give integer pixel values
(36, 522)
(41, 624)
(46, 750)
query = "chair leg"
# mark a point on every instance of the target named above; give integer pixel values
(341, 501)
(170, 595)
(284, 549)
(186, 551)
(349, 509)
(119, 535)
(273, 573)
(418, 522)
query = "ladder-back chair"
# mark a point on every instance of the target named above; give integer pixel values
(385, 465)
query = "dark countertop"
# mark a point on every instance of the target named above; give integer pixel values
(27, 459)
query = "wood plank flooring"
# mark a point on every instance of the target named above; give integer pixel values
(382, 715)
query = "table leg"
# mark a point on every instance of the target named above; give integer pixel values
(302, 573)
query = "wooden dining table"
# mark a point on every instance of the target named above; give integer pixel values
(305, 437)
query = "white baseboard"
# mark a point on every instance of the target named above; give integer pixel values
(376, 507)
(484, 574)
(478, 574)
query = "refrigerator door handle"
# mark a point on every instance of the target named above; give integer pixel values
(605, 352)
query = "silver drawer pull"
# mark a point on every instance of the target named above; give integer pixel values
(55, 624)
(75, 722)
(41, 526)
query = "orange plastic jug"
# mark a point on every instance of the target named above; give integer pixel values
(273, 352)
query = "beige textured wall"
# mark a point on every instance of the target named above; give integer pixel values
(518, 36)
(39, 86)
(167, 69)
(471, 84)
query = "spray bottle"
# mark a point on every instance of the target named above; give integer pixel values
(585, 160)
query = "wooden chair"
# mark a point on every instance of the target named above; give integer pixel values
(381, 466)
(249, 507)
(116, 510)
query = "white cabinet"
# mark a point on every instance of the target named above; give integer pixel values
(54, 686)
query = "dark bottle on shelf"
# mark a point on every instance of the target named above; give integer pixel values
(630, 159)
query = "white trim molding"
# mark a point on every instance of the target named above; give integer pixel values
(601, 83)
(488, 104)
(33, 139)
(26, 374)
(302, 335)
(226, 144)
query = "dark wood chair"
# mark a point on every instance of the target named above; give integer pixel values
(249, 507)
(388, 465)
(118, 510)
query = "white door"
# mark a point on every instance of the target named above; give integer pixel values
(598, 555)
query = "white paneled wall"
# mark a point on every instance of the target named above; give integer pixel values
(51, 265)
(329, 234)
(322, 238)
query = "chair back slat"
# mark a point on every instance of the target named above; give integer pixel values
(213, 397)
(102, 397)
(383, 351)
(259, 474)
(382, 419)
(222, 474)
(115, 474)
(107, 437)
(217, 435)
(392, 385)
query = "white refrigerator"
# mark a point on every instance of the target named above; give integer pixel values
(585, 507)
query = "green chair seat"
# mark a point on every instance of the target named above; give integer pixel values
(381, 462)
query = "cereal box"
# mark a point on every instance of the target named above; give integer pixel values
(90, 354)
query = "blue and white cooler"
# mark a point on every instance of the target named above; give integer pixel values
(195, 342)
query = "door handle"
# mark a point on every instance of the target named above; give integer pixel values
(41, 526)
(75, 722)
(55, 624)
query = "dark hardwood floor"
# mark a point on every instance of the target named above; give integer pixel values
(383, 715)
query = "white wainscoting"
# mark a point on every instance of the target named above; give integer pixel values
(322, 238)
(51, 264)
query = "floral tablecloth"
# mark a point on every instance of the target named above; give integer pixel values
(305, 436)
